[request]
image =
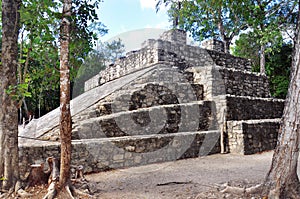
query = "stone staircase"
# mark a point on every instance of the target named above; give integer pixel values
(165, 102)
(252, 116)
(149, 115)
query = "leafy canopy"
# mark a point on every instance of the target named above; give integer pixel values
(39, 47)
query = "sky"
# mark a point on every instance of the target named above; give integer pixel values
(135, 20)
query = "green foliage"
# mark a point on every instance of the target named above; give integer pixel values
(2, 179)
(224, 19)
(247, 47)
(278, 61)
(85, 29)
(267, 21)
(19, 91)
(96, 61)
(221, 19)
(278, 66)
(264, 18)
(112, 50)
(39, 47)
(44, 72)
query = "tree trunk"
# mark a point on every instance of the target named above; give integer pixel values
(53, 178)
(9, 160)
(37, 175)
(26, 108)
(65, 117)
(282, 180)
(176, 18)
(227, 45)
(226, 40)
(262, 60)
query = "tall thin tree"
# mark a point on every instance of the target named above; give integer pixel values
(65, 116)
(9, 160)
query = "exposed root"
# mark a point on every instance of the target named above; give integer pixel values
(274, 194)
(17, 190)
(20, 191)
(23, 194)
(3, 195)
(81, 193)
(68, 189)
(242, 191)
(51, 192)
(54, 189)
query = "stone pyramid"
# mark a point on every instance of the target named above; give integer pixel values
(164, 102)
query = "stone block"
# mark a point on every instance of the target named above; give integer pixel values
(256, 135)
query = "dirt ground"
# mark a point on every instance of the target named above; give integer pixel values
(184, 179)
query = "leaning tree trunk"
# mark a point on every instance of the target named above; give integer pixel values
(282, 180)
(9, 160)
(65, 116)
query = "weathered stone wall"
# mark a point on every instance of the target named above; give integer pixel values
(178, 36)
(243, 83)
(134, 60)
(172, 50)
(230, 61)
(160, 86)
(252, 136)
(248, 108)
(92, 82)
(103, 154)
(213, 44)
(146, 121)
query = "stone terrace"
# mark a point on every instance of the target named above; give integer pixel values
(164, 102)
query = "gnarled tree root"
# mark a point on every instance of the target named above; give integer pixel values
(54, 189)
(23, 194)
(72, 192)
(243, 191)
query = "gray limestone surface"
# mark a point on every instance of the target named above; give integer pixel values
(165, 90)
(38, 127)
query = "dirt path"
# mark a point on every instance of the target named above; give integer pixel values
(181, 179)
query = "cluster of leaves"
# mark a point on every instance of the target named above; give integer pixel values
(225, 19)
(278, 66)
(2, 179)
(247, 47)
(96, 61)
(17, 92)
(210, 19)
(267, 21)
(278, 61)
(38, 71)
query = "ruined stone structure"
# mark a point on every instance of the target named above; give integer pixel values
(164, 102)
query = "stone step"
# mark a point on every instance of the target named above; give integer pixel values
(46, 123)
(163, 75)
(161, 119)
(112, 153)
(97, 110)
(247, 108)
(185, 92)
(153, 94)
(146, 95)
(252, 136)
(243, 83)
(230, 61)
